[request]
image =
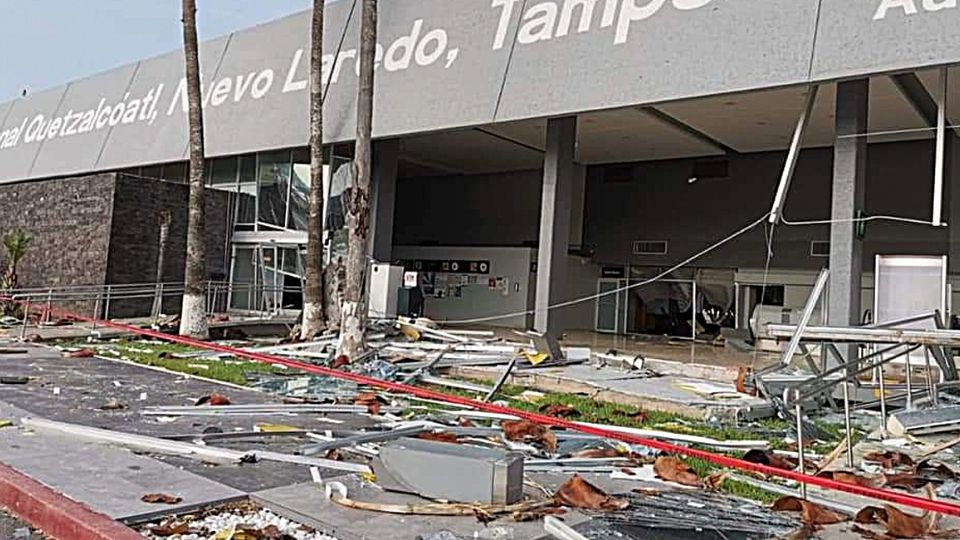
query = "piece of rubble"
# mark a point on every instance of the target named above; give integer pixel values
(161, 498)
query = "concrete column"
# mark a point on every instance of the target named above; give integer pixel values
(849, 178)
(578, 199)
(952, 195)
(559, 174)
(383, 198)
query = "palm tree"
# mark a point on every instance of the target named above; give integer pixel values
(15, 244)
(193, 316)
(353, 319)
(164, 218)
(313, 319)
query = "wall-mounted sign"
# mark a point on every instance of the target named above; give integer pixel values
(448, 266)
(613, 272)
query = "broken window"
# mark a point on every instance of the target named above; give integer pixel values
(274, 181)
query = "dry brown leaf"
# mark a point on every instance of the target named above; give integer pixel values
(871, 514)
(160, 498)
(890, 459)
(903, 525)
(673, 469)
(803, 533)
(578, 493)
(764, 457)
(213, 399)
(370, 401)
(439, 436)
(561, 411)
(82, 353)
(868, 534)
(594, 453)
(715, 481)
(521, 516)
(340, 362)
(742, 373)
(648, 491)
(812, 513)
(170, 528)
(271, 532)
(639, 417)
(908, 481)
(939, 468)
(524, 431)
(854, 479)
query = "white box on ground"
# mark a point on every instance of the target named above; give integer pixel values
(385, 284)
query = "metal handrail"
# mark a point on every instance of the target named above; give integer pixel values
(263, 299)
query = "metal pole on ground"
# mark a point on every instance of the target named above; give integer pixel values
(800, 452)
(883, 400)
(846, 422)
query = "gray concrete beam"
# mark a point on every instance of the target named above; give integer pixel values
(849, 179)
(670, 120)
(917, 96)
(559, 176)
(383, 198)
(952, 197)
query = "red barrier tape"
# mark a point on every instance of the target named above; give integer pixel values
(724, 461)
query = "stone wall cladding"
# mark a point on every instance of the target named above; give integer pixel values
(135, 238)
(69, 221)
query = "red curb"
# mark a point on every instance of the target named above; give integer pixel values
(55, 514)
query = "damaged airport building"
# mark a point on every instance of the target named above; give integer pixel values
(526, 154)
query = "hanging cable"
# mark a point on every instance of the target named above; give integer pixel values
(901, 131)
(343, 37)
(859, 220)
(768, 238)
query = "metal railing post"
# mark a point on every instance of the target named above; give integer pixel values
(46, 315)
(96, 309)
(26, 317)
(106, 309)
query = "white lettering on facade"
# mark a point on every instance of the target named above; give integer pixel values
(910, 7)
(553, 19)
(289, 84)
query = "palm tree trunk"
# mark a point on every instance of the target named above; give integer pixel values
(193, 316)
(164, 218)
(313, 319)
(354, 313)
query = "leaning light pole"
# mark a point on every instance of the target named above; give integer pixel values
(313, 312)
(357, 197)
(193, 315)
